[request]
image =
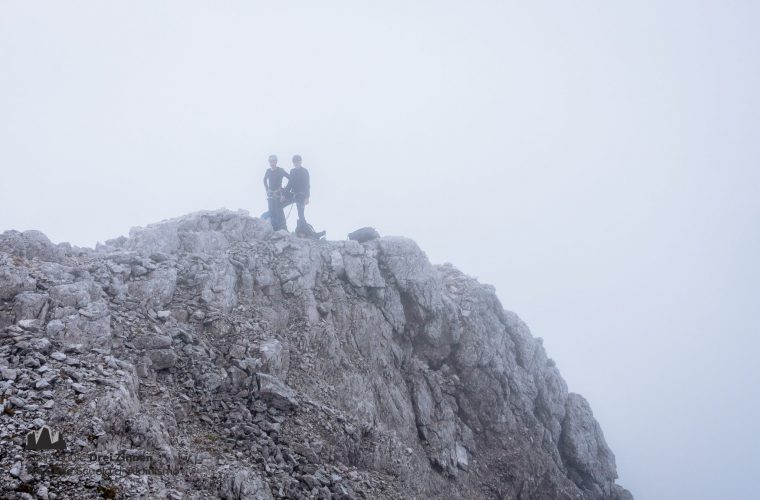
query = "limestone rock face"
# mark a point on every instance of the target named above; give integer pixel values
(227, 360)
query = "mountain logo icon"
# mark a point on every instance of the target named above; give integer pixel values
(45, 439)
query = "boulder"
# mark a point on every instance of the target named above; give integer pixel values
(162, 359)
(276, 393)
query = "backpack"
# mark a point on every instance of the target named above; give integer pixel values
(306, 230)
(364, 234)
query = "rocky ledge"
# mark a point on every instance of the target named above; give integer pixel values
(210, 357)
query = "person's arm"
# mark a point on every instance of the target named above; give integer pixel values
(287, 187)
(266, 178)
(307, 185)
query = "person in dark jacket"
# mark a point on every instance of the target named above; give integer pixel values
(298, 188)
(273, 185)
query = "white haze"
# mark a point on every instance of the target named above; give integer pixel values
(598, 162)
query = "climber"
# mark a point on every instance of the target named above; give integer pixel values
(273, 186)
(297, 191)
(298, 186)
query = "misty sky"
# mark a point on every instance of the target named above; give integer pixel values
(598, 162)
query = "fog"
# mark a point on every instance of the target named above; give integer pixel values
(598, 162)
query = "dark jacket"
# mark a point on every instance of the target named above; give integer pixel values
(273, 178)
(299, 181)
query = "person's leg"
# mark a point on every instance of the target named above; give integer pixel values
(272, 212)
(300, 205)
(276, 213)
(270, 205)
(281, 215)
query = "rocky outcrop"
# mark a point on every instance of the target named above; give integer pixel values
(208, 356)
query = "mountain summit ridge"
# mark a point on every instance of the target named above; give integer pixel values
(252, 364)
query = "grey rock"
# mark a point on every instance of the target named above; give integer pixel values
(152, 341)
(293, 358)
(245, 485)
(275, 392)
(162, 359)
(13, 279)
(42, 492)
(157, 290)
(310, 481)
(28, 305)
(55, 327)
(17, 402)
(274, 359)
(41, 345)
(94, 310)
(80, 388)
(461, 457)
(30, 245)
(8, 373)
(15, 470)
(238, 378)
(582, 445)
(29, 324)
(77, 294)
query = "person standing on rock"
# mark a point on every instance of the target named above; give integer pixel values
(298, 188)
(273, 186)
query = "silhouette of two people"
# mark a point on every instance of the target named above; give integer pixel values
(297, 190)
